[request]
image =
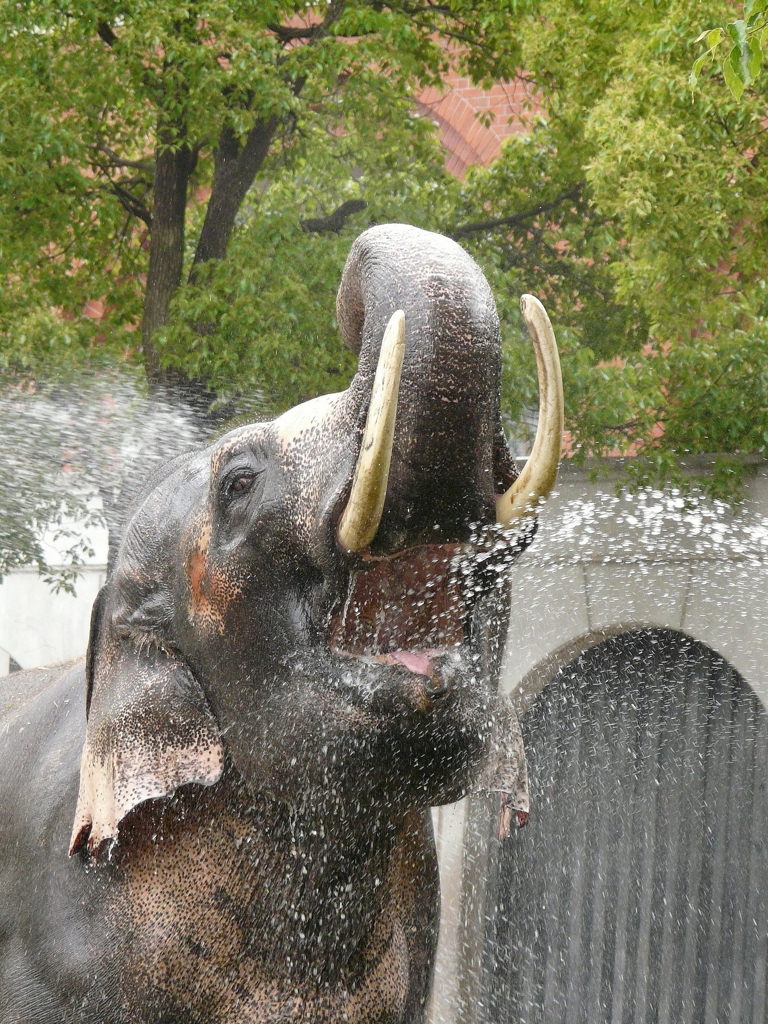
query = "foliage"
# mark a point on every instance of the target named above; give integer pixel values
(264, 317)
(96, 93)
(652, 257)
(561, 254)
(738, 48)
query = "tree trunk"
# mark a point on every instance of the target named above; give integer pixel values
(234, 171)
(235, 167)
(166, 257)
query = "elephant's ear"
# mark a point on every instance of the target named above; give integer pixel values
(149, 730)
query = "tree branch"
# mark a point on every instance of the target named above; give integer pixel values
(334, 221)
(130, 203)
(234, 171)
(166, 253)
(464, 230)
(287, 35)
(619, 428)
(50, 256)
(106, 33)
(117, 161)
(429, 10)
(311, 33)
(236, 166)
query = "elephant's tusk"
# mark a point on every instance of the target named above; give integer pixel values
(540, 471)
(361, 518)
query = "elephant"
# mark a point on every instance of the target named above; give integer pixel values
(295, 655)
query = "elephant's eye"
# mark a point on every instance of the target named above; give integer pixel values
(239, 483)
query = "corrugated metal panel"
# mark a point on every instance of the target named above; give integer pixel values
(639, 890)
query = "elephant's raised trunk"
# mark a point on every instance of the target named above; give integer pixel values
(442, 467)
(445, 450)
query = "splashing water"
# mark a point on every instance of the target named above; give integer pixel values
(637, 655)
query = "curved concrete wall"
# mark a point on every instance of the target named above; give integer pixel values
(602, 563)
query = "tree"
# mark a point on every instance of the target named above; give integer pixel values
(137, 130)
(639, 211)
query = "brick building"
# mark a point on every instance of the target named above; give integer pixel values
(473, 121)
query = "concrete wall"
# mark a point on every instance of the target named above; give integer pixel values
(39, 627)
(602, 563)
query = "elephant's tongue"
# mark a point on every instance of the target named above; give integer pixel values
(415, 661)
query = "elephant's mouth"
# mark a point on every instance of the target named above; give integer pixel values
(405, 608)
(413, 606)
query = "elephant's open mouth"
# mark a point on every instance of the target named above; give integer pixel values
(418, 603)
(414, 605)
(408, 607)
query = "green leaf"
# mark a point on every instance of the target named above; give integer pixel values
(737, 30)
(756, 57)
(697, 69)
(714, 37)
(741, 61)
(732, 73)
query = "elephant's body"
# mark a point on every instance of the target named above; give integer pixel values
(216, 908)
(295, 655)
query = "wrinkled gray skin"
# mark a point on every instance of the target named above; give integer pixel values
(252, 839)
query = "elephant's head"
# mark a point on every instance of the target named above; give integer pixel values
(321, 598)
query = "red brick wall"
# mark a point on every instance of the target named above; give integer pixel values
(467, 140)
